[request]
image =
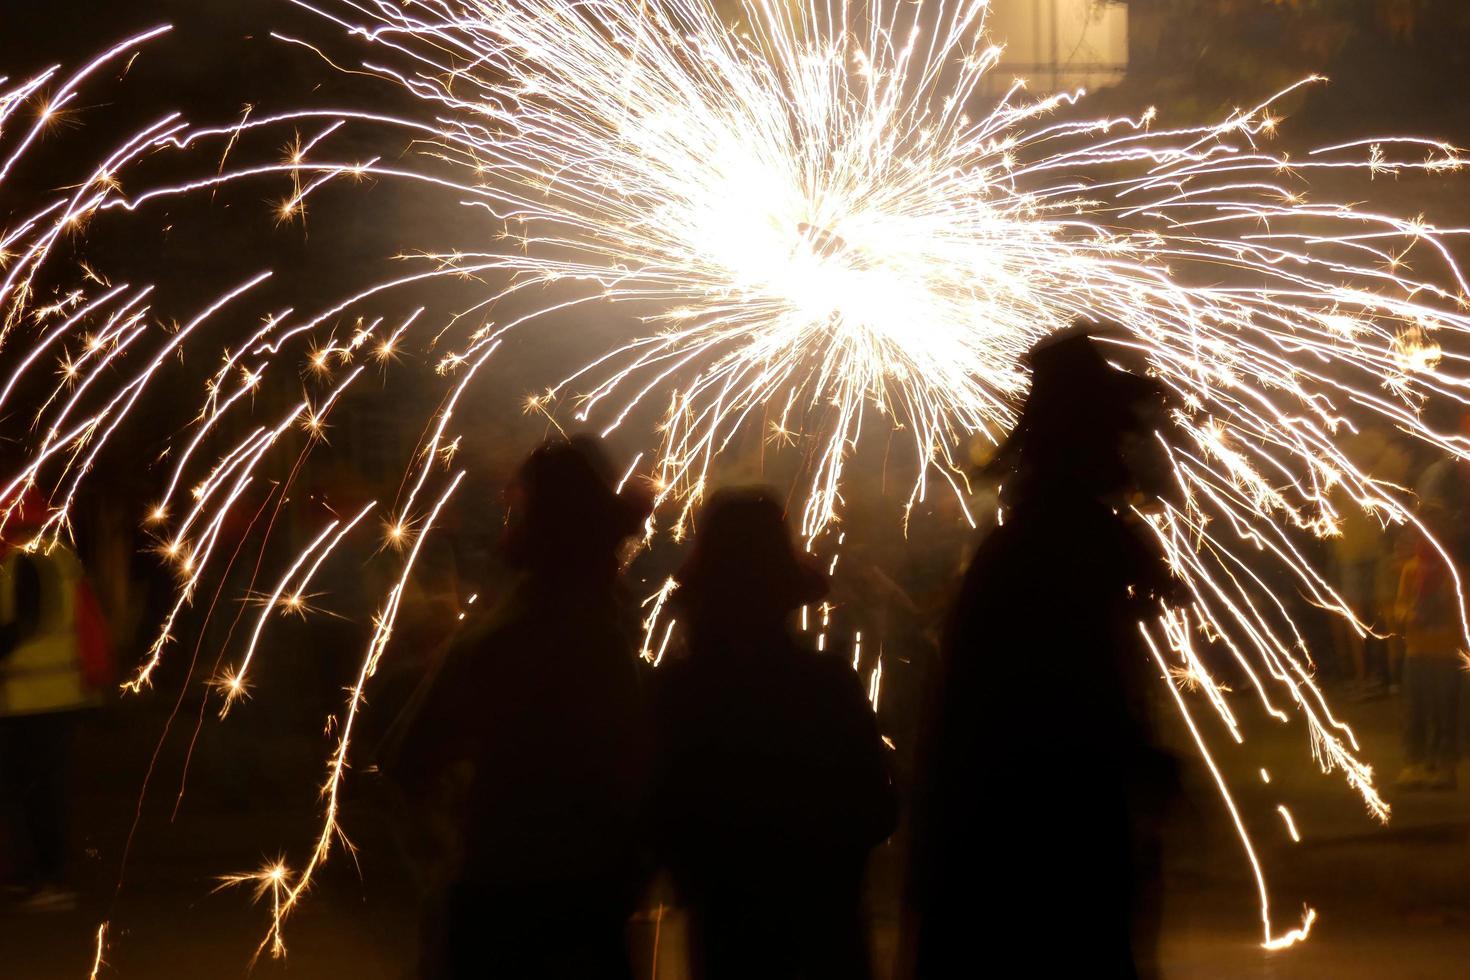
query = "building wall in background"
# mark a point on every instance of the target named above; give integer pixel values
(1059, 44)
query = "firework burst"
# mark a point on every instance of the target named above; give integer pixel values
(825, 228)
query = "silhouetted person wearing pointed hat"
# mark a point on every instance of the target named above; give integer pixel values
(538, 716)
(773, 787)
(1038, 780)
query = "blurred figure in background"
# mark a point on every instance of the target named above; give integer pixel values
(1367, 562)
(1394, 466)
(55, 661)
(772, 780)
(1427, 614)
(1358, 552)
(535, 730)
(1040, 789)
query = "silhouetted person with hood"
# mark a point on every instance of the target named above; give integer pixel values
(1038, 778)
(538, 718)
(773, 787)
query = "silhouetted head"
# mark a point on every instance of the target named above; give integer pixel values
(744, 570)
(1087, 426)
(563, 512)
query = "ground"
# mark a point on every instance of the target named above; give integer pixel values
(1391, 899)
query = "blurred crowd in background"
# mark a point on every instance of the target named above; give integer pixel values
(1405, 590)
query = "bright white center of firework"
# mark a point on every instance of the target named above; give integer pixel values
(855, 279)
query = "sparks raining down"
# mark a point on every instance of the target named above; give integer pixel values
(825, 230)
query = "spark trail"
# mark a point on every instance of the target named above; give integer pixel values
(824, 227)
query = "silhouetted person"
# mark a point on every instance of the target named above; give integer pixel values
(1037, 772)
(538, 717)
(56, 661)
(773, 786)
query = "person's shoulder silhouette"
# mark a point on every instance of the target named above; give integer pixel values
(773, 780)
(541, 702)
